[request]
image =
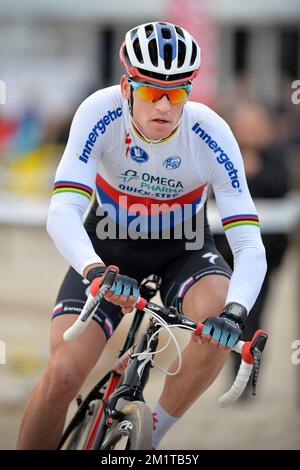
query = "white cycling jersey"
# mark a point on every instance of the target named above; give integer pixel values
(107, 153)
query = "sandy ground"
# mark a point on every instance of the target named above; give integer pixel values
(31, 273)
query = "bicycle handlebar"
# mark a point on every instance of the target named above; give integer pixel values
(250, 351)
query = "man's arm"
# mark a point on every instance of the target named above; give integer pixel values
(240, 222)
(73, 188)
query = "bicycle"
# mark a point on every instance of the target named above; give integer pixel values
(114, 412)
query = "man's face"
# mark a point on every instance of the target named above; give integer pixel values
(157, 119)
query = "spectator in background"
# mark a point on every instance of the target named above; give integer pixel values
(266, 167)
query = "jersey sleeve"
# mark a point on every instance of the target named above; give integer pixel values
(239, 216)
(73, 188)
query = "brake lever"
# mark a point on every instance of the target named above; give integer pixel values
(256, 350)
(255, 371)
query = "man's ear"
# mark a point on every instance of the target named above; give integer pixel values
(125, 87)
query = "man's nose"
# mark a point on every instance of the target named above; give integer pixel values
(163, 104)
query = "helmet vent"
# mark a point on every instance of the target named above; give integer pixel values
(137, 50)
(179, 31)
(168, 55)
(133, 33)
(181, 53)
(152, 47)
(166, 33)
(194, 54)
(149, 30)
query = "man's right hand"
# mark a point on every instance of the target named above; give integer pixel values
(124, 292)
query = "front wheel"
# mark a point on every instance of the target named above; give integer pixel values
(133, 431)
(78, 437)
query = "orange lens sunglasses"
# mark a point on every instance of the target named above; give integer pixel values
(152, 93)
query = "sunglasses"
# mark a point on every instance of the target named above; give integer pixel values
(152, 93)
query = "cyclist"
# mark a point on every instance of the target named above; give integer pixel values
(151, 156)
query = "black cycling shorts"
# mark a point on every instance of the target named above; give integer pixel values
(178, 268)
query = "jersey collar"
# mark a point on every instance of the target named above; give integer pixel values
(139, 133)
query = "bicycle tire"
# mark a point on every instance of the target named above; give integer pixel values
(79, 435)
(136, 425)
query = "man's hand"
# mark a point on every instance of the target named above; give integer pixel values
(223, 332)
(124, 292)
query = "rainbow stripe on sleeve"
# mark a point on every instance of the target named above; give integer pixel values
(242, 219)
(72, 187)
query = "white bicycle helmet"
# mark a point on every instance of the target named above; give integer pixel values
(162, 52)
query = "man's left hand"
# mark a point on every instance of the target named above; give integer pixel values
(223, 332)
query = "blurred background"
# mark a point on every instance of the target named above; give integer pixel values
(53, 54)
